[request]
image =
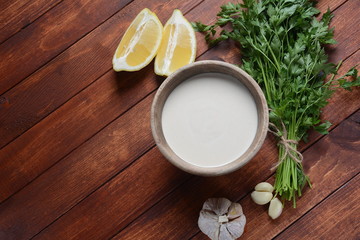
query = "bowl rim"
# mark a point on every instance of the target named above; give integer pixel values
(184, 73)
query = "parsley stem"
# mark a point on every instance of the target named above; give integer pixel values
(282, 49)
(272, 53)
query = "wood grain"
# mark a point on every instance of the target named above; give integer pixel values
(84, 111)
(18, 14)
(42, 192)
(73, 123)
(55, 31)
(332, 5)
(334, 164)
(39, 194)
(330, 163)
(71, 71)
(72, 193)
(340, 211)
(345, 33)
(96, 106)
(119, 201)
(81, 172)
(67, 224)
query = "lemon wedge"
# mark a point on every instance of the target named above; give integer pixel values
(140, 42)
(178, 45)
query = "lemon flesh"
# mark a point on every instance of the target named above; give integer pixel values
(140, 42)
(178, 45)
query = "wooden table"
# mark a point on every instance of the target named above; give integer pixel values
(77, 158)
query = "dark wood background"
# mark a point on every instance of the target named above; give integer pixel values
(77, 158)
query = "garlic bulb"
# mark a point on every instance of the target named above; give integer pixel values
(220, 219)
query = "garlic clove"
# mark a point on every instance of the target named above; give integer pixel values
(208, 224)
(219, 206)
(235, 211)
(261, 198)
(264, 187)
(275, 208)
(224, 234)
(237, 226)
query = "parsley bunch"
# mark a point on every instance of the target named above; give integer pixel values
(282, 49)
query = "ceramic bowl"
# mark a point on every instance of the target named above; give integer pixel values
(186, 72)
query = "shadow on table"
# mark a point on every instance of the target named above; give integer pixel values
(144, 77)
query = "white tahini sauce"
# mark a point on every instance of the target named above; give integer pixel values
(210, 119)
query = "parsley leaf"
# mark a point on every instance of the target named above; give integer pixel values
(282, 49)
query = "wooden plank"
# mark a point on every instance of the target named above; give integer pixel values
(73, 70)
(76, 121)
(330, 163)
(335, 218)
(68, 225)
(56, 30)
(50, 177)
(18, 14)
(119, 202)
(81, 172)
(122, 216)
(16, 217)
(345, 16)
(332, 5)
(95, 107)
(18, 157)
(335, 163)
(47, 89)
(73, 123)
(36, 196)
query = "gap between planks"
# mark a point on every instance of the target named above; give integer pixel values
(80, 37)
(62, 51)
(267, 179)
(95, 133)
(337, 5)
(28, 24)
(100, 130)
(94, 191)
(53, 110)
(43, 113)
(332, 194)
(118, 116)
